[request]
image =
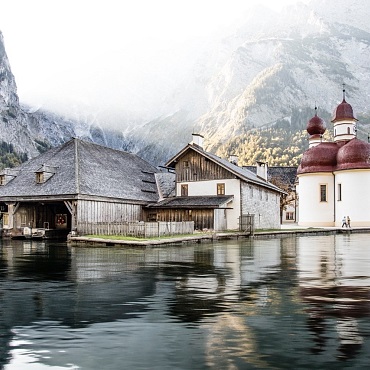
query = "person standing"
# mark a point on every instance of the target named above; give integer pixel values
(344, 221)
(348, 222)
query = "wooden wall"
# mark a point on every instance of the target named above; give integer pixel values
(98, 211)
(203, 218)
(194, 167)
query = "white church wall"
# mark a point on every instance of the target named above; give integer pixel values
(312, 210)
(355, 199)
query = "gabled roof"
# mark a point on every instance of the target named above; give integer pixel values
(240, 172)
(287, 174)
(84, 168)
(212, 202)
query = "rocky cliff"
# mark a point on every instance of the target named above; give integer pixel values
(263, 79)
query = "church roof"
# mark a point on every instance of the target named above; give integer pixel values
(329, 157)
(343, 111)
(316, 126)
(335, 156)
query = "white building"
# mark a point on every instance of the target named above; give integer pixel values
(216, 193)
(334, 177)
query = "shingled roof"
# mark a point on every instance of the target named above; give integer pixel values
(240, 172)
(287, 174)
(84, 168)
(193, 202)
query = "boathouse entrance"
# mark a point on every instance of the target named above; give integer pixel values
(37, 219)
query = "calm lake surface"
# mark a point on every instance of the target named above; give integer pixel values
(297, 303)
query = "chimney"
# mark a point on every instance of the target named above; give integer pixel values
(262, 170)
(233, 159)
(198, 140)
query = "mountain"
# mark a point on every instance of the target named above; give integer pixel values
(250, 90)
(279, 67)
(29, 132)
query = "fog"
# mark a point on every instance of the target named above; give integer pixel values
(112, 60)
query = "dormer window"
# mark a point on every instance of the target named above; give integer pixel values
(44, 173)
(7, 175)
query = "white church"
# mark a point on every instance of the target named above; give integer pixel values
(334, 177)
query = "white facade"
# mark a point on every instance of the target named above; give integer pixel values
(354, 200)
(209, 187)
(314, 210)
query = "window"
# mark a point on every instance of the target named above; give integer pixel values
(323, 193)
(184, 190)
(339, 191)
(186, 163)
(5, 219)
(2, 180)
(289, 216)
(221, 189)
(39, 177)
(152, 217)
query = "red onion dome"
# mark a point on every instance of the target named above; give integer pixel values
(320, 158)
(354, 155)
(343, 111)
(316, 126)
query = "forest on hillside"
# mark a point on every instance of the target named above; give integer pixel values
(281, 144)
(9, 157)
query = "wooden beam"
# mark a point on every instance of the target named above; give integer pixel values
(68, 204)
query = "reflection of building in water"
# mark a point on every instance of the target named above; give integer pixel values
(336, 285)
(254, 303)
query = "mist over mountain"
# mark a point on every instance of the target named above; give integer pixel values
(250, 90)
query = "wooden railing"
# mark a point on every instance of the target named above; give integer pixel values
(136, 229)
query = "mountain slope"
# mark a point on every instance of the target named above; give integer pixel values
(249, 92)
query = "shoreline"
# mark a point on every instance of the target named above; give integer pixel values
(78, 241)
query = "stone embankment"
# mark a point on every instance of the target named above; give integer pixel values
(209, 237)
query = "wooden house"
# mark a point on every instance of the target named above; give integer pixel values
(216, 193)
(74, 185)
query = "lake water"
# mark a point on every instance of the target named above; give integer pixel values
(290, 303)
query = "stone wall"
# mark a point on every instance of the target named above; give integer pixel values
(264, 204)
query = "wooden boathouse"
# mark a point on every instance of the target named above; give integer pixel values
(72, 186)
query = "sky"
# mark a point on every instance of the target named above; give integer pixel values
(90, 52)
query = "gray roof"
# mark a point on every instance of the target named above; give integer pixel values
(287, 174)
(241, 172)
(166, 182)
(193, 202)
(84, 168)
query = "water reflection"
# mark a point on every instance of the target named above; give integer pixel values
(334, 280)
(281, 303)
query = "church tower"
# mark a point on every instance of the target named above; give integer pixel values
(344, 122)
